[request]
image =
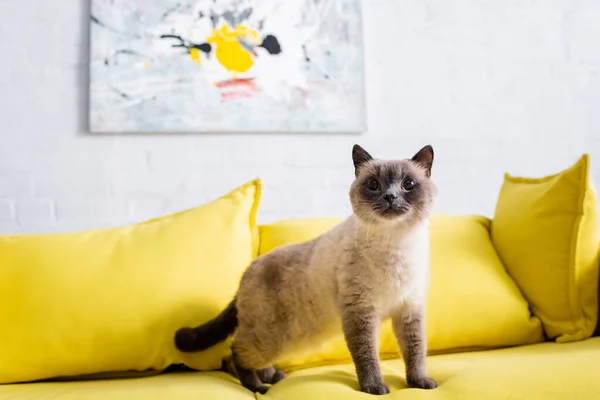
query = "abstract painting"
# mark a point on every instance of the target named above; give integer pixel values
(227, 66)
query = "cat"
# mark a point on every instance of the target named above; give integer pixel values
(372, 266)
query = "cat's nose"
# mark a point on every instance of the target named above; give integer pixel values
(389, 197)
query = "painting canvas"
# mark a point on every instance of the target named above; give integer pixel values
(226, 65)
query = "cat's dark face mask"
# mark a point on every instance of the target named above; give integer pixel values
(395, 190)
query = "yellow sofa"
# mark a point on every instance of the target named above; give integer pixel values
(511, 310)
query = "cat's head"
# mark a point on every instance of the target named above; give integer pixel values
(392, 191)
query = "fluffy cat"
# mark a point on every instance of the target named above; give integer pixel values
(372, 266)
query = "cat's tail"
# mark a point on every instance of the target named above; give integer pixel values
(208, 334)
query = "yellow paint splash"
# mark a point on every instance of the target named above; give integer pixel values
(195, 55)
(229, 52)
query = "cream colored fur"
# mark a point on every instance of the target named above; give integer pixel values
(384, 266)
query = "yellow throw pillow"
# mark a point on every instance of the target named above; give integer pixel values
(111, 299)
(293, 231)
(472, 302)
(546, 233)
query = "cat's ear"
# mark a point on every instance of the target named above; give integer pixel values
(425, 159)
(359, 157)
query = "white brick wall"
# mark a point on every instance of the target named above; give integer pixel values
(494, 86)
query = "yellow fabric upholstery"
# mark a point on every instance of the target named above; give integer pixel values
(597, 330)
(293, 231)
(472, 302)
(546, 233)
(541, 371)
(180, 386)
(545, 371)
(111, 299)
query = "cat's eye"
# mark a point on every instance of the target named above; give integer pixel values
(408, 184)
(373, 184)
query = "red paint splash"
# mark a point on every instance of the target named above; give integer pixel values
(237, 88)
(235, 95)
(236, 82)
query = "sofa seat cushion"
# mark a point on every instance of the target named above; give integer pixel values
(544, 371)
(175, 386)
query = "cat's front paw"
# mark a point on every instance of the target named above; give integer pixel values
(375, 388)
(422, 382)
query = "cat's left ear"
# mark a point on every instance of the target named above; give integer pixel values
(359, 157)
(425, 159)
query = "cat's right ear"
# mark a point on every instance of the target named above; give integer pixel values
(360, 157)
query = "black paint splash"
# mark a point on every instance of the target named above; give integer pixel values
(128, 52)
(271, 44)
(308, 60)
(120, 93)
(98, 22)
(306, 57)
(203, 47)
